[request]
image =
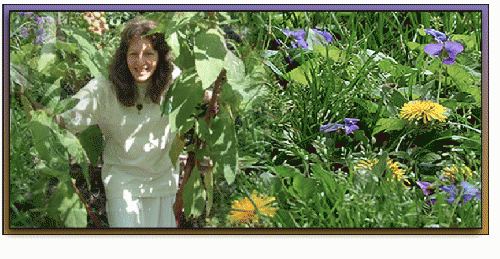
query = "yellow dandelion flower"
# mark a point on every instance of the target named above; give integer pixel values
(244, 211)
(366, 164)
(452, 171)
(426, 110)
(397, 172)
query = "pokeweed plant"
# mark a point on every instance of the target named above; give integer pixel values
(202, 53)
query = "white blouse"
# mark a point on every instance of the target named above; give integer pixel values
(137, 143)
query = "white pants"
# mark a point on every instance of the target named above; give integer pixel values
(141, 212)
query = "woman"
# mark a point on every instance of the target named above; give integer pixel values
(139, 178)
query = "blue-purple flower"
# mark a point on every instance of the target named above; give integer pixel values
(349, 126)
(426, 188)
(470, 192)
(452, 192)
(300, 37)
(328, 37)
(452, 48)
(24, 32)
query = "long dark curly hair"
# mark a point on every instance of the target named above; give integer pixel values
(121, 78)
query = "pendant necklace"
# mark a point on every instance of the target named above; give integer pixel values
(142, 95)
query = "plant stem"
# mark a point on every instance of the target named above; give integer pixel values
(439, 84)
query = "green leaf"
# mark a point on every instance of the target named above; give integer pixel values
(209, 186)
(209, 52)
(46, 59)
(186, 94)
(66, 207)
(333, 52)
(430, 158)
(52, 95)
(466, 82)
(299, 73)
(91, 57)
(72, 144)
(414, 46)
(46, 142)
(388, 124)
(284, 171)
(235, 69)
(469, 40)
(65, 104)
(185, 60)
(285, 217)
(397, 99)
(305, 187)
(176, 150)
(381, 166)
(194, 195)
(315, 39)
(66, 46)
(225, 150)
(92, 142)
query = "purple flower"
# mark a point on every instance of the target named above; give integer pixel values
(24, 33)
(349, 126)
(328, 37)
(40, 36)
(330, 127)
(425, 186)
(452, 48)
(48, 19)
(300, 37)
(470, 192)
(38, 19)
(452, 191)
(28, 14)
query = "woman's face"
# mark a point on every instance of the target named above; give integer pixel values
(141, 59)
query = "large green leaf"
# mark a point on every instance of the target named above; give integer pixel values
(299, 74)
(73, 146)
(235, 69)
(186, 94)
(225, 150)
(209, 186)
(52, 95)
(466, 81)
(47, 143)
(92, 142)
(91, 57)
(330, 52)
(388, 124)
(66, 206)
(175, 151)
(305, 187)
(185, 59)
(194, 195)
(209, 52)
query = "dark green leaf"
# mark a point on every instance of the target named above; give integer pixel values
(93, 143)
(194, 195)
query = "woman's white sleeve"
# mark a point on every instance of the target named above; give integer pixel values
(89, 109)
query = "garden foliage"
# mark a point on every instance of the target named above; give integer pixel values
(317, 119)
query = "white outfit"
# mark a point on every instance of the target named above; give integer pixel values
(136, 164)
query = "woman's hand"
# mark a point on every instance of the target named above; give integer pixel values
(207, 97)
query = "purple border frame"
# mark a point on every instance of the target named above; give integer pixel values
(483, 8)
